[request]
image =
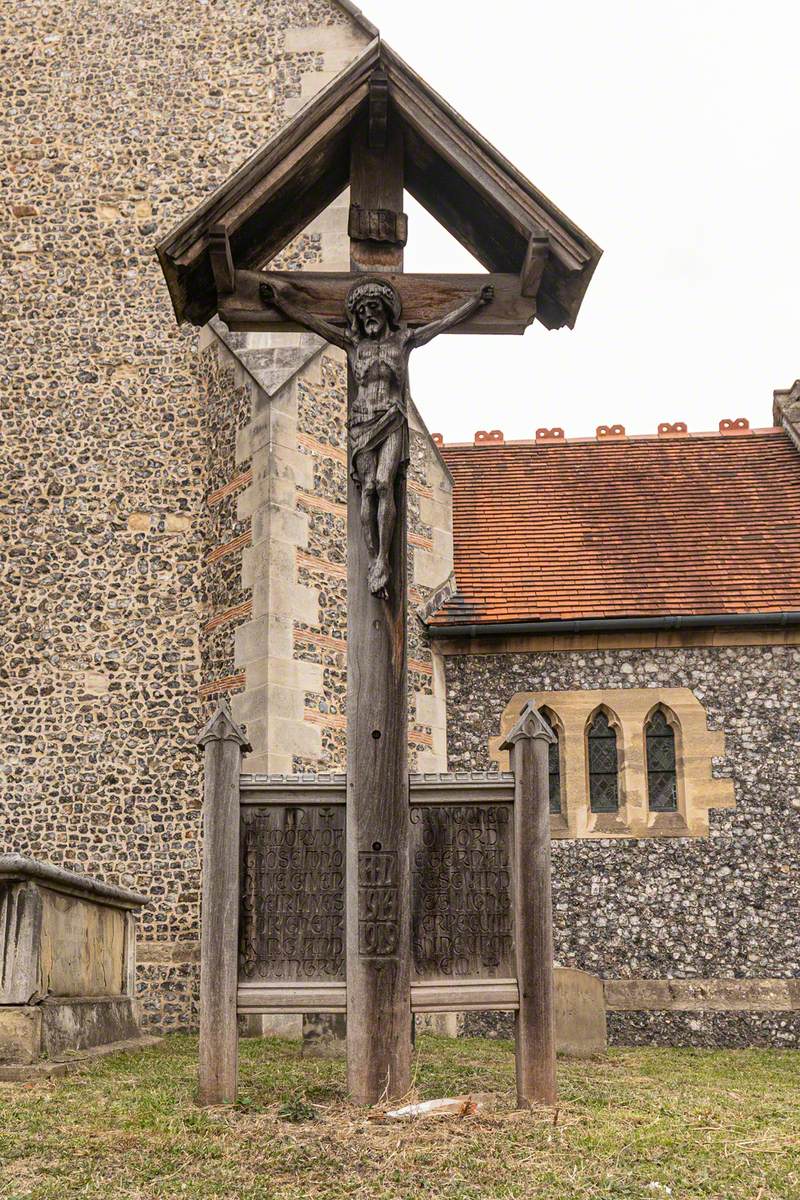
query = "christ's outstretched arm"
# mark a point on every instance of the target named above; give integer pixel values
(426, 333)
(275, 298)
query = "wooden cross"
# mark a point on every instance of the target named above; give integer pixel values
(337, 307)
(361, 314)
(383, 129)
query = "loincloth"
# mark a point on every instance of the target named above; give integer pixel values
(371, 432)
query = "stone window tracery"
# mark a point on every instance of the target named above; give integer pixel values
(615, 781)
(554, 751)
(662, 773)
(603, 765)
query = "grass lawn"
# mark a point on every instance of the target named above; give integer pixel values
(649, 1124)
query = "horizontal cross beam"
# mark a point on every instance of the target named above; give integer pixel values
(425, 298)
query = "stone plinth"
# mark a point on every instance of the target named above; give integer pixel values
(67, 962)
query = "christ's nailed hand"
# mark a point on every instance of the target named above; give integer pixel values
(487, 293)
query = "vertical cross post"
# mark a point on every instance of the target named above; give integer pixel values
(223, 743)
(529, 742)
(378, 890)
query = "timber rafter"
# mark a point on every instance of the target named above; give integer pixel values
(506, 223)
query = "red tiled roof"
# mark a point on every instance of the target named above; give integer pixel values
(635, 527)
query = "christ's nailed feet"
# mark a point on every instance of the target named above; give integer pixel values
(379, 578)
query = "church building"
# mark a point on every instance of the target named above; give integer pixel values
(177, 506)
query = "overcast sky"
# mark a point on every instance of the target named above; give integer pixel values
(671, 134)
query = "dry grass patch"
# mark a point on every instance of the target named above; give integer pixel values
(639, 1125)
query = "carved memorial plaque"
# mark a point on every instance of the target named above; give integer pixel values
(462, 902)
(292, 894)
(378, 904)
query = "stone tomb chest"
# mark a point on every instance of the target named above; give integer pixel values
(67, 961)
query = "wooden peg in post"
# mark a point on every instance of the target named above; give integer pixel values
(528, 742)
(223, 743)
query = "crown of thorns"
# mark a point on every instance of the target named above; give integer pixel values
(375, 289)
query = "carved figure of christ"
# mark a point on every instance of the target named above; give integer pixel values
(378, 347)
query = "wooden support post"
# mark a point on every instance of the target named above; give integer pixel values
(378, 890)
(528, 742)
(376, 185)
(223, 744)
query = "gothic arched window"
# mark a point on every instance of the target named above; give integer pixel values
(554, 763)
(603, 765)
(662, 778)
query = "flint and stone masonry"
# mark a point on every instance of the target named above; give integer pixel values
(676, 909)
(176, 502)
(116, 561)
(176, 521)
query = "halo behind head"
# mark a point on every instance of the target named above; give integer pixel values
(374, 288)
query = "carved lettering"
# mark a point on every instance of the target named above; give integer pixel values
(462, 914)
(378, 904)
(292, 898)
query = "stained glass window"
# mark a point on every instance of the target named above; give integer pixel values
(603, 766)
(553, 765)
(662, 783)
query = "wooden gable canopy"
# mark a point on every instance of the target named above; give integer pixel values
(543, 261)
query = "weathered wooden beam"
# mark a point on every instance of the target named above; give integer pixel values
(528, 742)
(291, 997)
(536, 258)
(425, 297)
(373, 172)
(219, 251)
(472, 158)
(294, 192)
(378, 936)
(378, 110)
(223, 744)
(442, 995)
(465, 995)
(460, 207)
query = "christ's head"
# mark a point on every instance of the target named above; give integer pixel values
(373, 307)
(373, 316)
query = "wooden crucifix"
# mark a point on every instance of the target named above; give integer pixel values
(378, 345)
(381, 128)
